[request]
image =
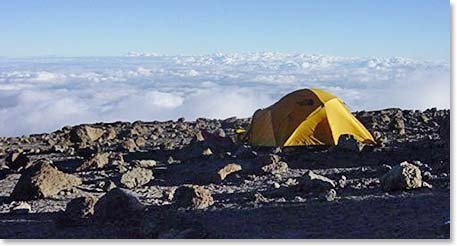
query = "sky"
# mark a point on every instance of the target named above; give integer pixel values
(409, 28)
(80, 61)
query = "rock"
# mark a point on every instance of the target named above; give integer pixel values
(42, 180)
(405, 176)
(136, 177)
(399, 126)
(291, 182)
(99, 161)
(445, 129)
(21, 208)
(259, 198)
(207, 152)
(118, 205)
(192, 196)
(426, 185)
(138, 130)
(277, 168)
(348, 143)
(145, 163)
(271, 164)
(108, 185)
(85, 134)
(227, 170)
(342, 181)
(330, 195)
(79, 209)
(140, 141)
(314, 183)
(128, 146)
(17, 161)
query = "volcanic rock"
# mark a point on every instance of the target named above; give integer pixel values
(118, 205)
(276, 168)
(85, 134)
(136, 177)
(348, 143)
(42, 180)
(128, 146)
(227, 170)
(192, 196)
(17, 161)
(330, 195)
(21, 208)
(99, 161)
(405, 176)
(79, 209)
(314, 183)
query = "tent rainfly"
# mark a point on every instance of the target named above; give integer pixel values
(305, 117)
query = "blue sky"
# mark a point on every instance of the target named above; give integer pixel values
(410, 28)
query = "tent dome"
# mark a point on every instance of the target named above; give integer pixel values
(305, 117)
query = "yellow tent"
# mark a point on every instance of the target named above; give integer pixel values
(305, 117)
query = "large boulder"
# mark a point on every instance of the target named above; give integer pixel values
(17, 161)
(192, 196)
(314, 183)
(405, 176)
(136, 177)
(85, 134)
(42, 180)
(98, 161)
(118, 205)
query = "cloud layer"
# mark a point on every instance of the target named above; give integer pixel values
(45, 94)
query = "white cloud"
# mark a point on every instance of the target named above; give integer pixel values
(44, 96)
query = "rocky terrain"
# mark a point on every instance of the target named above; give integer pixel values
(194, 179)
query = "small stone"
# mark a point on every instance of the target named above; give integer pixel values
(342, 181)
(227, 170)
(129, 146)
(207, 152)
(330, 195)
(192, 196)
(291, 182)
(21, 208)
(314, 183)
(80, 208)
(136, 177)
(100, 160)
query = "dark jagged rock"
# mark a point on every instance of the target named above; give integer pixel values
(17, 161)
(78, 210)
(118, 205)
(85, 134)
(192, 196)
(314, 183)
(405, 176)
